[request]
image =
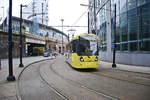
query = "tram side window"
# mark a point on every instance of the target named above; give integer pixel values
(74, 46)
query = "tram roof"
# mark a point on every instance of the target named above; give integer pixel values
(82, 34)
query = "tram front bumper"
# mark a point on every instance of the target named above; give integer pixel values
(89, 64)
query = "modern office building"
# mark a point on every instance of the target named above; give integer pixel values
(132, 30)
(37, 11)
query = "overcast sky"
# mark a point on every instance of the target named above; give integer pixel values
(69, 10)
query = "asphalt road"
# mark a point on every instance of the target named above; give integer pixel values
(56, 80)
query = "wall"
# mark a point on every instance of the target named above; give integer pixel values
(4, 45)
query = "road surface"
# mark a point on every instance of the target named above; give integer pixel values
(56, 80)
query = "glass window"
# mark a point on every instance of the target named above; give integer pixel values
(133, 46)
(124, 34)
(117, 7)
(145, 45)
(102, 28)
(144, 21)
(131, 4)
(124, 46)
(1, 27)
(123, 26)
(142, 2)
(117, 47)
(123, 6)
(132, 24)
(74, 46)
(117, 32)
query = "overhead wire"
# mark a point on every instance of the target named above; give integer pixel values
(80, 17)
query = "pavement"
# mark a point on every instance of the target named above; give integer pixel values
(9, 90)
(139, 69)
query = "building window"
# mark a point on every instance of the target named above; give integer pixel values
(118, 47)
(144, 26)
(132, 24)
(118, 32)
(123, 6)
(145, 45)
(133, 46)
(144, 21)
(131, 4)
(123, 26)
(102, 37)
(142, 2)
(102, 30)
(124, 46)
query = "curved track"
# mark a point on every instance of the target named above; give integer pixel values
(33, 87)
(119, 84)
(83, 86)
(55, 80)
(128, 76)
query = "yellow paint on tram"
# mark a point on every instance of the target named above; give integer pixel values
(81, 61)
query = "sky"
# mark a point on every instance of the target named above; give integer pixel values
(69, 10)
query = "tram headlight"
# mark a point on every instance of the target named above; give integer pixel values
(96, 59)
(81, 59)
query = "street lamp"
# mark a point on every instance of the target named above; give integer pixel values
(20, 45)
(62, 37)
(10, 77)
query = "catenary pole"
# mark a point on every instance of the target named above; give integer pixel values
(20, 45)
(10, 77)
(114, 50)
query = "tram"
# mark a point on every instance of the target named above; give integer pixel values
(83, 52)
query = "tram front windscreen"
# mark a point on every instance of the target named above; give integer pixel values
(87, 46)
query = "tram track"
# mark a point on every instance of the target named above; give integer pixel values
(147, 78)
(58, 75)
(95, 89)
(83, 86)
(52, 88)
(132, 79)
(43, 81)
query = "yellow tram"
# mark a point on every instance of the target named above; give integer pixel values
(82, 51)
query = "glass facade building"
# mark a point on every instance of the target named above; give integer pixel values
(133, 25)
(132, 30)
(101, 29)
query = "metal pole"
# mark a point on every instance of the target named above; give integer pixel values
(68, 37)
(3, 18)
(62, 38)
(88, 23)
(42, 13)
(114, 50)
(11, 77)
(95, 17)
(20, 46)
